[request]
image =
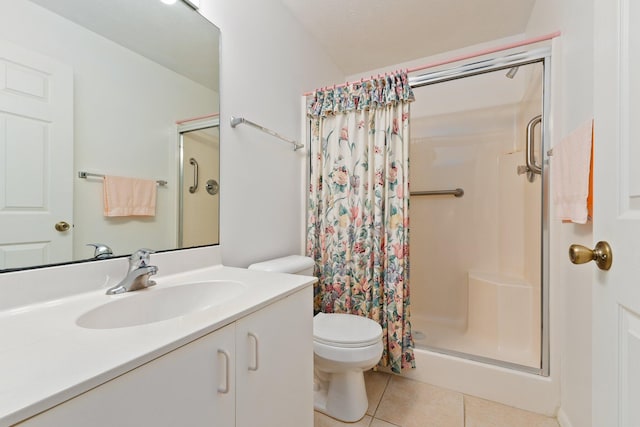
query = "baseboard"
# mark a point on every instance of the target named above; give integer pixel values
(563, 420)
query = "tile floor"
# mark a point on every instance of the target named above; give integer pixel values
(399, 402)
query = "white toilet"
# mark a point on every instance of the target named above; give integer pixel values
(344, 346)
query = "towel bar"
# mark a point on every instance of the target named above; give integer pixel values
(85, 175)
(235, 121)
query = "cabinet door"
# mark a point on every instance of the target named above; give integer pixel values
(190, 386)
(274, 371)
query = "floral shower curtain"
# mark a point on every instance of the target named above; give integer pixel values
(358, 217)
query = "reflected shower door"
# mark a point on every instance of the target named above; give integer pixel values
(200, 201)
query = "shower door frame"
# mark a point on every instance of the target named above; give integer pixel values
(497, 63)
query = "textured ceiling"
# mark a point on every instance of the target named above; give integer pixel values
(363, 35)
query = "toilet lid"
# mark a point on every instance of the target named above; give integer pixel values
(345, 330)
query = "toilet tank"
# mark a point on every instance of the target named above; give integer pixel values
(293, 264)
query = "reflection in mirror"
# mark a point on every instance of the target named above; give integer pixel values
(199, 200)
(98, 86)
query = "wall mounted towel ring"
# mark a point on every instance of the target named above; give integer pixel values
(194, 187)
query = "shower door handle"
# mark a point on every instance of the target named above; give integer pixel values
(601, 254)
(530, 149)
(194, 187)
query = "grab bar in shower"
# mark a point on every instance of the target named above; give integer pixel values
(531, 167)
(458, 192)
(194, 187)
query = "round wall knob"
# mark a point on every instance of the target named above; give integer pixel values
(212, 187)
(62, 226)
(601, 254)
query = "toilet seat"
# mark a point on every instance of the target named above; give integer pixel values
(345, 330)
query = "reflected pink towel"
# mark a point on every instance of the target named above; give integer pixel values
(129, 196)
(570, 168)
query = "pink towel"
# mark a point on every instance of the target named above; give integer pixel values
(129, 196)
(570, 168)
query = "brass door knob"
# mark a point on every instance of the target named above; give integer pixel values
(601, 254)
(62, 226)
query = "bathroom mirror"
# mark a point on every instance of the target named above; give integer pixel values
(101, 87)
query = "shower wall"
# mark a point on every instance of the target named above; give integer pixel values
(452, 236)
(475, 260)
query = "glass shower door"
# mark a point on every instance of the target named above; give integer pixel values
(476, 258)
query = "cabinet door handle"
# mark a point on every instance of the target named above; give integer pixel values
(227, 358)
(256, 359)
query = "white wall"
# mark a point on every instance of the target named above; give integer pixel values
(468, 229)
(570, 285)
(268, 61)
(125, 108)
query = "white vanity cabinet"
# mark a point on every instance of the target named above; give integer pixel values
(182, 388)
(274, 365)
(254, 372)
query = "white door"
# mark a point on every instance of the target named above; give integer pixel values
(616, 293)
(36, 158)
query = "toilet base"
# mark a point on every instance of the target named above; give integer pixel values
(341, 395)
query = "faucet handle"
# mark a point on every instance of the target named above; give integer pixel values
(141, 257)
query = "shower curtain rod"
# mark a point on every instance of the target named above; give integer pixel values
(471, 55)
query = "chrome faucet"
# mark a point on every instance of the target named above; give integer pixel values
(138, 275)
(101, 251)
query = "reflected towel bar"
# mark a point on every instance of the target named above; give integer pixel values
(84, 175)
(235, 121)
(458, 192)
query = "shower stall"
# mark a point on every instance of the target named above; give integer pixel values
(479, 268)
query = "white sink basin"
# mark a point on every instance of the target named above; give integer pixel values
(156, 304)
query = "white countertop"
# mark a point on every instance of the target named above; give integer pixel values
(45, 358)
